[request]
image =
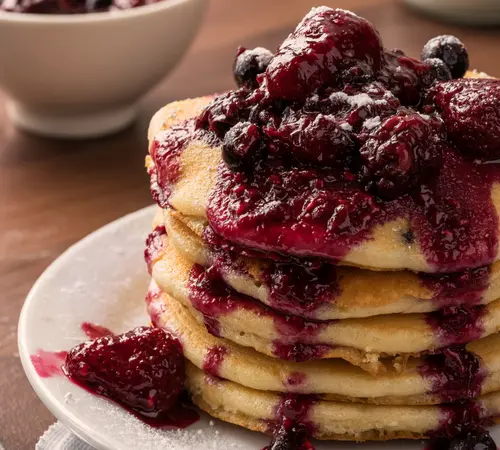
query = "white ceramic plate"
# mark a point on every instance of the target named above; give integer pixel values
(103, 279)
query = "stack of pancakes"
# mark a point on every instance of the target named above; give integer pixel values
(375, 352)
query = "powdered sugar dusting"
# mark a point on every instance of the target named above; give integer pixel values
(345, 126)
(372, 123)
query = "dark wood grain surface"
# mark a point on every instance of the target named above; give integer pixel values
(52, 193)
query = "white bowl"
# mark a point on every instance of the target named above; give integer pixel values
(466, 12)
(81, 75)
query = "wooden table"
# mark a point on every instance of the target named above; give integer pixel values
(52, 193)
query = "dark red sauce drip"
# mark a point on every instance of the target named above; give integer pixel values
(301, 212)
(166, 152)
(154, 246)
(454, 289)
(457, 324)
(211, 296)
(214, 359)
(458, 419)
(158, 309)
(48, 364)
(299, 351)
(300, 288)
(296, 379)
(295, 286)
(454, 374)
(292, 426)
(94, 331)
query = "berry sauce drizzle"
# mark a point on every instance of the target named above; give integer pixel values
(48, 364)
(211, 296)
(295, 286)
(310, 212)
(154, 246)
(213, 360)
(292, 427)
(462, 288)
(148, 387)
(301, 286)
(454, 373)
(462, 427)
(457, 324)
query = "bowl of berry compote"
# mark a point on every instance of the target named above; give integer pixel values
(77, 68)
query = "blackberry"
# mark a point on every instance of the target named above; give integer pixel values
(451, 51)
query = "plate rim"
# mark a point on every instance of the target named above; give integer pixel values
(68, 418)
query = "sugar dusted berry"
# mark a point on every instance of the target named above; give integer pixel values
(402, 148)
(470, 109)
(250, 63)
(240, 144)
(451, 51)
(143, 368)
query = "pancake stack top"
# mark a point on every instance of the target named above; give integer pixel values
(327, 238)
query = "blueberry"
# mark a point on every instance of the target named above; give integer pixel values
(250, 63)
(439, 70)
(240, 145)
(474, 440)
(451, 51)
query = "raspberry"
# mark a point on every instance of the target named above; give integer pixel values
(397, 152)
(316, 138)
(470, 109)
(325, 42)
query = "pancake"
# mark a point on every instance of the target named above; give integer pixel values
(256, 410)
(330, 379)
(251, 323)
(356, 292)
(199, 170)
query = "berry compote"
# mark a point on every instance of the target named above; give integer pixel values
(335, 135)
(322, 142)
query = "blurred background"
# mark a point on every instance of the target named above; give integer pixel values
(55, 191)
